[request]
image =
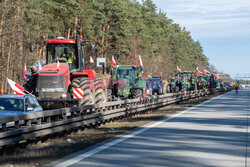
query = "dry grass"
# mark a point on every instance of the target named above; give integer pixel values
(37, 154)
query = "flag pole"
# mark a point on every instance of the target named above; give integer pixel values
(29, 93)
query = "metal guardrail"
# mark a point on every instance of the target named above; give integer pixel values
(38, 124)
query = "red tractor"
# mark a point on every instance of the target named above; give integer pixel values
(63, 80)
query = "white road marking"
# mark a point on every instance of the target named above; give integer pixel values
(125, 137)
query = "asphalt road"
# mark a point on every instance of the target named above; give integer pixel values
(214, 133)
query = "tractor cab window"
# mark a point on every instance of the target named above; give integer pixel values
(125, 73)
(64, 53)
(186, 75)
(128, 73)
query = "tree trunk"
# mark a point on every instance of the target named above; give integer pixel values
(75, 26)
(68, 35)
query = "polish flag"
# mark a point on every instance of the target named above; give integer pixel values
(25, 72)
(217, 75)
(18, 89)
(140, 61)
(198, 71)
(113, 63)
(91, 60)
(186, 79)
(58, 65)
(39, 66)
(207, 72)
(178, 69)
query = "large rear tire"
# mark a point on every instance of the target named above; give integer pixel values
(100, 91)
(88, 89)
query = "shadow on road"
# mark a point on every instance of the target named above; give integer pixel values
(213, 134)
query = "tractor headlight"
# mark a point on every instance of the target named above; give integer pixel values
(63, 95)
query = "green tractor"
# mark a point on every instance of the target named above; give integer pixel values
(188, 83)
(174, 85)
(210, 81)
(201, 82)
(126, 82)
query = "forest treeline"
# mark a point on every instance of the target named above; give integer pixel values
(120, 28)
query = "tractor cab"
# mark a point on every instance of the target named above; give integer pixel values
(186, 77)
(127, 72)
(64, 52)
(187, 80)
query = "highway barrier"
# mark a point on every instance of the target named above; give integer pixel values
(38, 124)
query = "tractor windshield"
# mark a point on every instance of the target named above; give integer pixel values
(62, 52)
(186, 75)
(125, 73)
(172, 80)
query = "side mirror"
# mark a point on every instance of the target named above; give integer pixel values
(30, 109)
(31, 48)
(92, 47)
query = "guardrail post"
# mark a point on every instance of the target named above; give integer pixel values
(39, 121)
(16, 124)
(28, 122)
(48, 119)
(64, 116)
(4, 127)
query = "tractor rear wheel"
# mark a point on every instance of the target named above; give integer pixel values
(88, 89)
(100, 90)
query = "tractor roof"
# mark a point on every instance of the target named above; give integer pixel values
(61, 41)
(185, 72)
(156, 76)
(126, 66)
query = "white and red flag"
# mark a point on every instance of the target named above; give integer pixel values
(198, 71)
(113, 63)
(18, 89)
(25, 72)
(39, 66)
(140, 61)
(217, 75)
(178, 69)
(58, 65)
(91, 60)
(186, 78)
(207, 72)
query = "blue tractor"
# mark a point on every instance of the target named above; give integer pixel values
(157, 85)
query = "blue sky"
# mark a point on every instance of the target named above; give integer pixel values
(222, 27)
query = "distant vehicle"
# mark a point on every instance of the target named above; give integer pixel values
(18, 104)
(157, 85)
(174, 85)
